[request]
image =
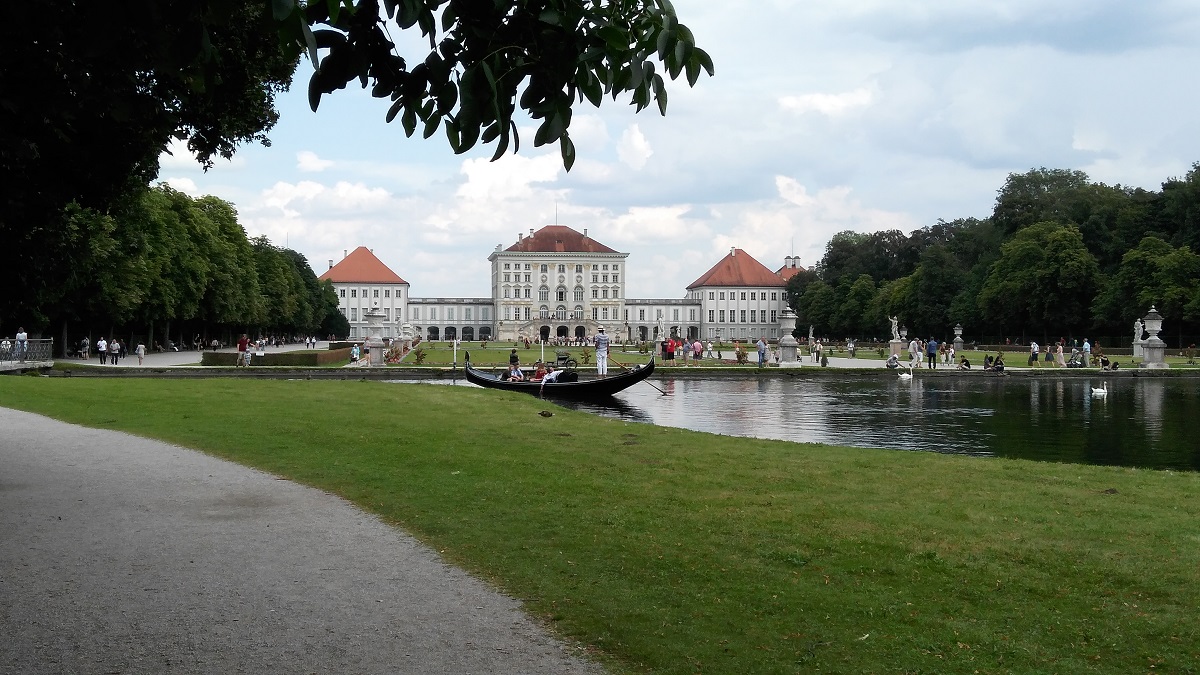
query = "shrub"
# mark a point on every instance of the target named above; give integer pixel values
(585, 356)
(419, 355)
(740, 353)
(300, 359)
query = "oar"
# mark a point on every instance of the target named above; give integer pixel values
(631, 370)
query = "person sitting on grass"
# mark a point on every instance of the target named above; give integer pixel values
(964, 364)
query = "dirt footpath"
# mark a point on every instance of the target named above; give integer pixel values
(124, 555)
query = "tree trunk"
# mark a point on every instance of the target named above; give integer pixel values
(65, 351)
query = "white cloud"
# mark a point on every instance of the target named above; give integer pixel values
(827, 104)
(309, 161)
(634, 150)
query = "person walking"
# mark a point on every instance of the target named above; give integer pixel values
(102, 349)
(243, 349)
(1087, 353)
(1059, 357)
(914, 353)
(141, 352)
(708, 350)
(601, 341)
(1033, 354)
(687, 352)
(762, 351)
(931, 352)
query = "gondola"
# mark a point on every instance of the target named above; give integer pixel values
(598, 388)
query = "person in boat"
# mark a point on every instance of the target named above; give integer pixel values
(515, 374)
(539, 372)
(551, 375)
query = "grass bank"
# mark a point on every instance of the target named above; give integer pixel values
(670, 551)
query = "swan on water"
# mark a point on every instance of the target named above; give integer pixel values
(908, 375)
(1100, 391)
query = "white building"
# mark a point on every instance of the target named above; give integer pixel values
(556, 282)
(740, 299)
(362, 281)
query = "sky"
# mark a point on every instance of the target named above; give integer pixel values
(823, 116)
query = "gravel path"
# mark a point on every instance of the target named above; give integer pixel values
(125, 555)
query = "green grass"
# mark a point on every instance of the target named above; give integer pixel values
(670, 551)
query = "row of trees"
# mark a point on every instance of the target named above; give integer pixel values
(172, 265)
(1059, 256)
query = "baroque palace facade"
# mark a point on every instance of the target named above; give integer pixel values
(558, 283)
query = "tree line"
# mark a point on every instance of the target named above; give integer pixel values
(168, 265)
(1060, 256)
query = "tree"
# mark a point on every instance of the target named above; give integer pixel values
(493, 57)
(1153, 273)
(1044, 280)
(1035, 196)
(99, 93)
(856, 300)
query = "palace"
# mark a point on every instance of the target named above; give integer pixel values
(557, 282)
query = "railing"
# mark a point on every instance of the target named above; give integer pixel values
(30, 350)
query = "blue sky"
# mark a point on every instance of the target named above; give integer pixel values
(823, 116)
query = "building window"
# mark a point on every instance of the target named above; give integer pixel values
(485, 313)
(526, 313)
(416, 313)
(722, 295)
(433, 313)
(710, 295)
(641, 315)
(675, 315)
(375, 294)
(595, 294)
(722, 316)
(506, 279)
(466, 314)
(526, 276)
(753, 295)
(691, 315)
(507, 313)
(711, 318)
(762, 315)
(387, 292)
(774, 296)
(354, 314)
(753, 316)
(342, 310)
(449, 313)
(604, 267)
(743, 295)
(561, 295)
(579, 294)
(544, 268)
(386, 314)
(354, 292)
(544, 294)
(595, 278)
(578, 313)
(616, 278)
(505, 265)
(543, 312)
(560, 313)
(562, 269)
(527, 293)
(774, 319)
(616, 292)
(527, 266)
(606, 278)
(342, 292)
(743, 316)
(626, 314)
(604, 313)
(595, 313)
(616, 267)
(604, 294)
(506, 291)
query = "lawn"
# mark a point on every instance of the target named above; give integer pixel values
(669, 551)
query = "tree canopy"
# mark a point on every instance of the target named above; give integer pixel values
(487, 59)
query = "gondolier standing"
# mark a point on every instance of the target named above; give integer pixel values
(601, 352)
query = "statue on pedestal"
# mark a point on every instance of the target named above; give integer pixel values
(1139, 329)
(895, 327)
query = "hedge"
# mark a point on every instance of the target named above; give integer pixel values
(302, 359)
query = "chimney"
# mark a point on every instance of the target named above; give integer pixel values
(345, 252)
(519, 237)
(331, 263)
(585, 233)
(531, 231)
(732, 251)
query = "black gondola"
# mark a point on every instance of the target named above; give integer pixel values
(579, 389)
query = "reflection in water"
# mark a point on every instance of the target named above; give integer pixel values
(1142, 422)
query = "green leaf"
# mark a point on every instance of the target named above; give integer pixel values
(394, 110)
(660, 94)
(615, 37)
(314, 91)
(326, 39)
(452, 135)
(665, 37)
(282, 9)
(502, 147)
(431, 125)
(567, 150)
(409, 120)
(449, 16)
(447, 97)
(549, 16)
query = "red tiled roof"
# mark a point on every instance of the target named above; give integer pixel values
(559, 239)
(738, 269)
(787, 272)
(361, 267)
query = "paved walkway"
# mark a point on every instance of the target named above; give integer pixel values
(125, 555)
(181, 358)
